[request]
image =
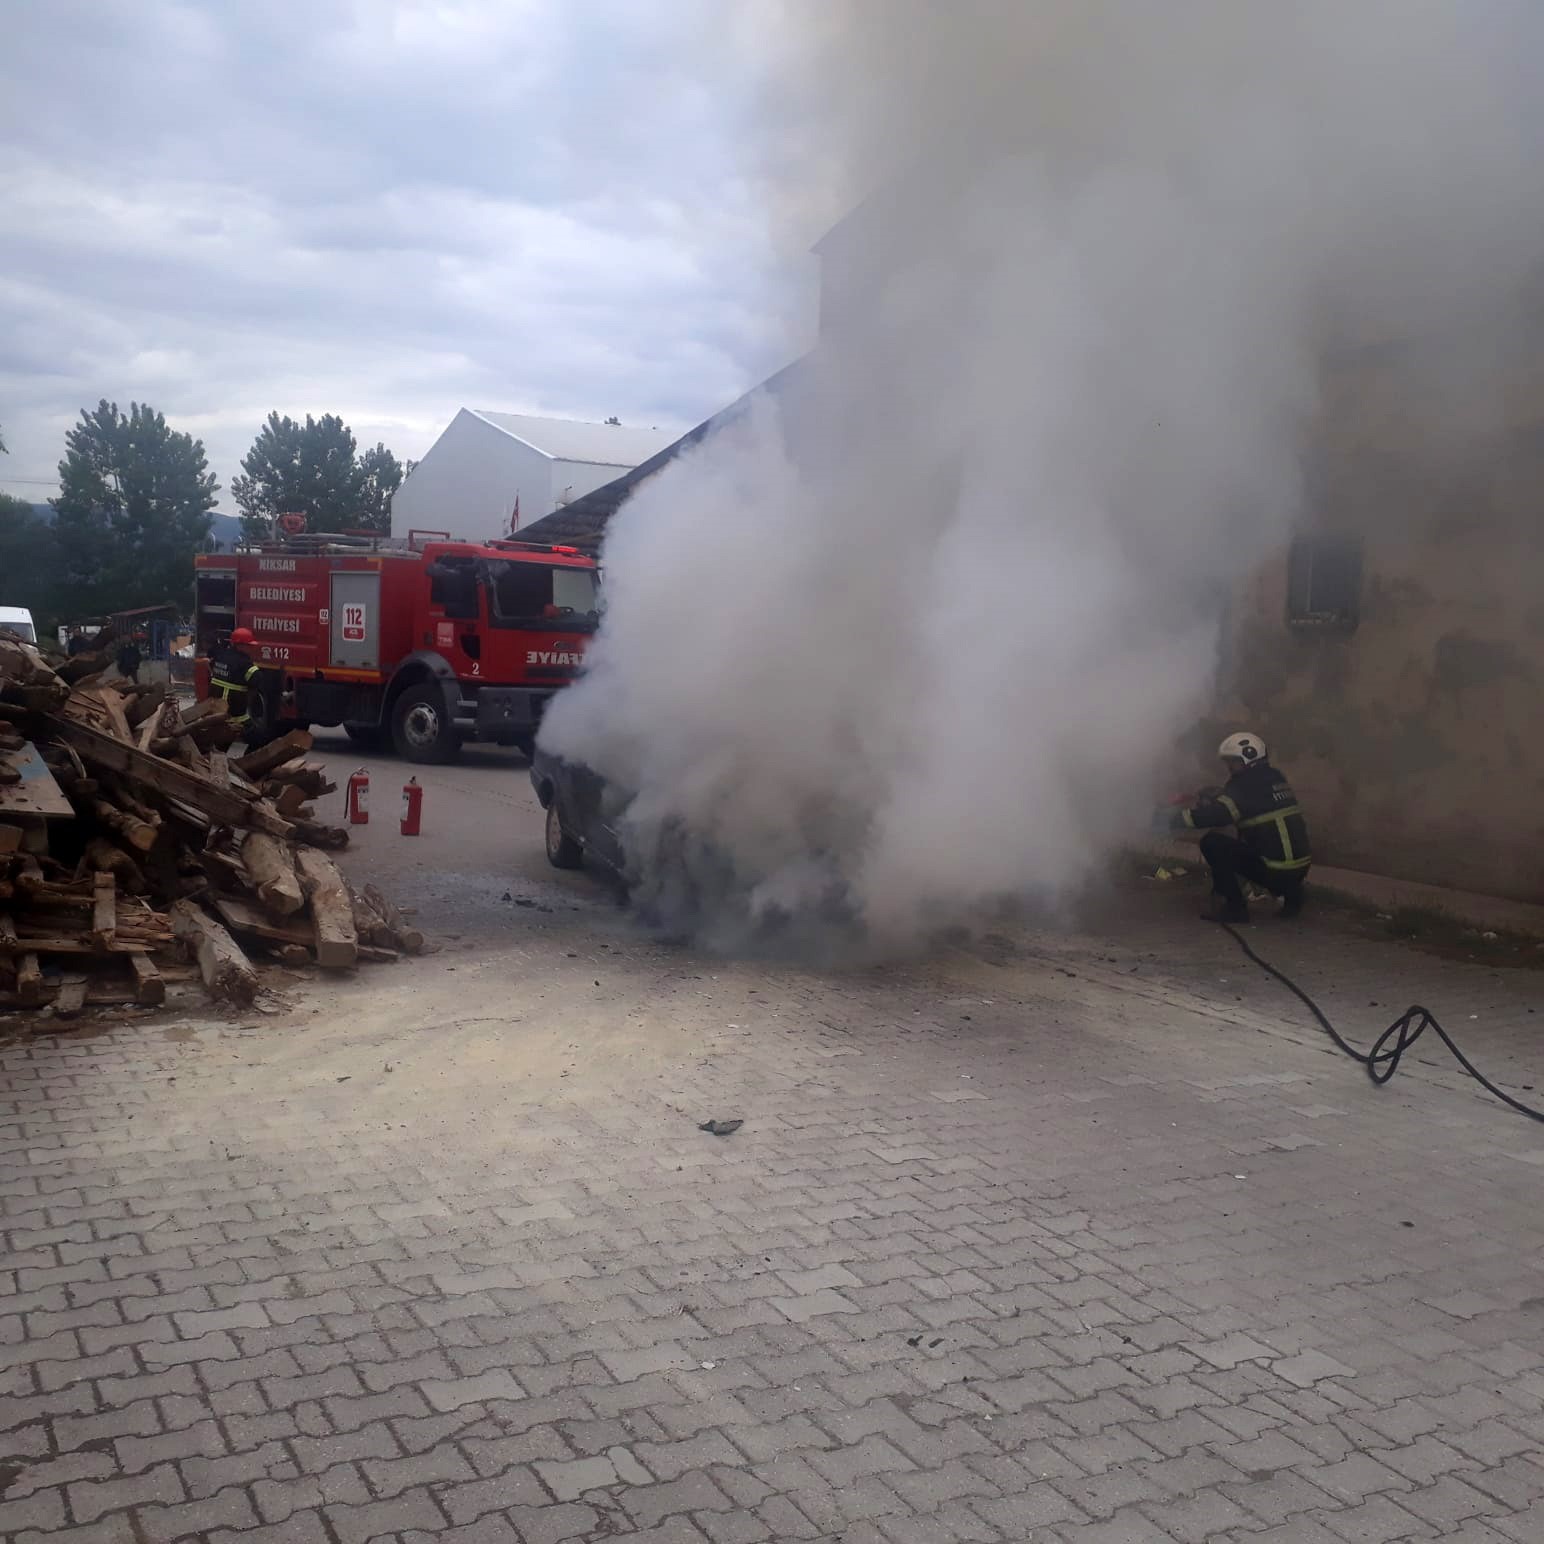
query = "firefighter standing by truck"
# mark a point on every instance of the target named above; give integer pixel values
(232, 676)
(1271, 849)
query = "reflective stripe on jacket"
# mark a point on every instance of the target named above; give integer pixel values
(1260, 803)
(231, 678)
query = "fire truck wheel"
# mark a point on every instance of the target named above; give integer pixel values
(420, 727)
(562, 850)
(262, 712)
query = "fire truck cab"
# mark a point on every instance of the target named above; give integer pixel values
(427, 643)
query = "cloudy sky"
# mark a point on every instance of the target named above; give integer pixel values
(386, 209)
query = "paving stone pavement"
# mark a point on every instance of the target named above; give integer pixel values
(1070, 1237)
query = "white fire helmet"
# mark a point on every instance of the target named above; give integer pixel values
(1248, 748)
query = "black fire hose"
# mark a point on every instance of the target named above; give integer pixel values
(1383, 1060)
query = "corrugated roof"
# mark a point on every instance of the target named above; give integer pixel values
(582, 523)
(568, 439)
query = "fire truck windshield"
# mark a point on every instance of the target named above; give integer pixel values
(536, 595)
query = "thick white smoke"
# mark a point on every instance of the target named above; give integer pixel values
(911, 633)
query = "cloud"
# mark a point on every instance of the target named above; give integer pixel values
(386, 211)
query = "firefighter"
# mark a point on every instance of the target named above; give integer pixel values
(231, 674)
(129, 658)
(1271, 849)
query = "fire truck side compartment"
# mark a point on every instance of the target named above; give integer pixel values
(356, 620)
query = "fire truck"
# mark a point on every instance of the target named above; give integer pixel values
(424, 643)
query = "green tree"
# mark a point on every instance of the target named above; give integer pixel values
(27, 558)
(134, 505)
(310, 468)
(381, 477)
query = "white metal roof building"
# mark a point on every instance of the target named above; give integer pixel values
(470, 478)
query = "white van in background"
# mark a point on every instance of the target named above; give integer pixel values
(18, 620)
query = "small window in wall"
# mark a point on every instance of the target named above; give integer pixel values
(1324, 582)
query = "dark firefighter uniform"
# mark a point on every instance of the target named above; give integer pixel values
(231, 675)
(1271, 848)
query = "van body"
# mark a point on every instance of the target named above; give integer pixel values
(18, 620)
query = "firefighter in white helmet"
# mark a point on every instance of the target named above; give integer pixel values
(1271, 847)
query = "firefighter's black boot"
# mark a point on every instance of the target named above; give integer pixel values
(1221, 909)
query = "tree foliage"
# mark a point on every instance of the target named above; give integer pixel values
(134, 505)
(382, 476)
(27, 557)
(314, 469)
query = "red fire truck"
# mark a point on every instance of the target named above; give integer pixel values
(426, 643)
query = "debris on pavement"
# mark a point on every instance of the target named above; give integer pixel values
(721, 1128)
(128, 831)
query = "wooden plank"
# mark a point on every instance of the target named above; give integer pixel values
(375, 955)
(225, 806)
(270, 872)
(407, 937)
(79, 666)
(219, 769)
(221, 866)
(256, 763)
(194, 817)
(10, 839)
(291, 799)
(149, 732)
(76, 918)
(137, 833)
(43, 944)
(35, 792)
(148, 703)
(214, 734)
(315, 834)
(71, 998)
(369, 924)
(104, 912)
(332, 913)
(181, 750)
(262, 816)
(103, 858)
(103, 993)
(117, 717)
(29, 980)
(243, 917)
(117, 790)
(21, 663)
(7, 951)
(149, 987)
(209, 707)
(226, 971)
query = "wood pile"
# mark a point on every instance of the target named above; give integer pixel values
(132, 835)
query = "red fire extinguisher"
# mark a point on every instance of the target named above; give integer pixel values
(357, 799)
(412, 806)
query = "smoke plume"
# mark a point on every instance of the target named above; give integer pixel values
(911, 632)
